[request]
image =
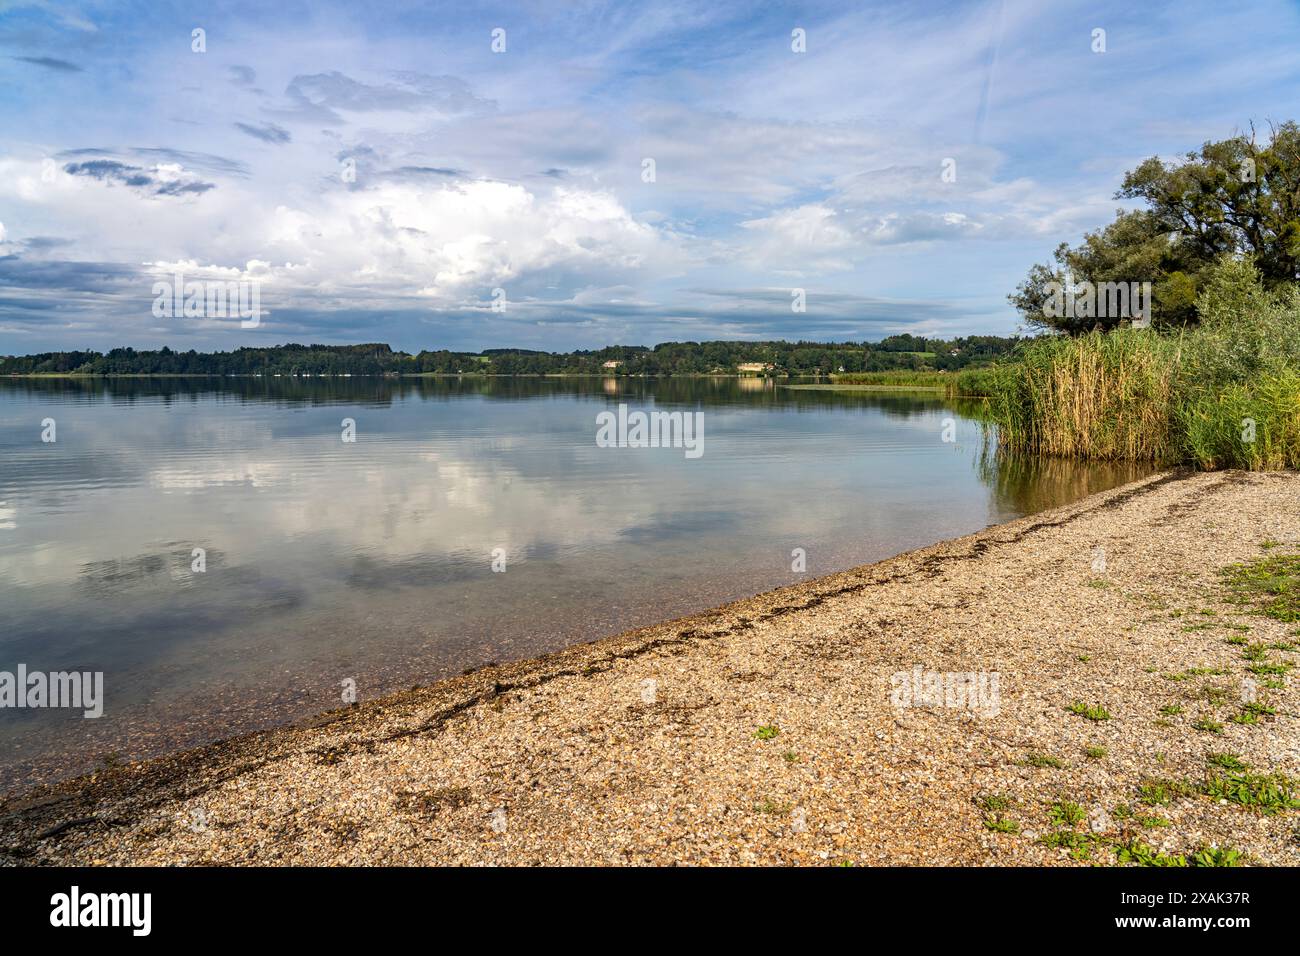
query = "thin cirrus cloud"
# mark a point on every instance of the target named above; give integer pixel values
(623, 173)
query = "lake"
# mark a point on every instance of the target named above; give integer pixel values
(229, 562)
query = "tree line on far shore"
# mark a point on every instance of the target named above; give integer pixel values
(898, 352)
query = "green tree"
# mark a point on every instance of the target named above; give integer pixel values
(1234, 197)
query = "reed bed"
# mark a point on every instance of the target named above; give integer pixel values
(1225, 394)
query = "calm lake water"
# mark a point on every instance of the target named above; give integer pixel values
(372, 560)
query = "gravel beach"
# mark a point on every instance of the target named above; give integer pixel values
(1110, 662)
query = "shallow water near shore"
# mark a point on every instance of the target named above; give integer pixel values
(328, 562)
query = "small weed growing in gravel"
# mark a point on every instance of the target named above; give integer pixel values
(1216, 856)
(1090, 711)
(767, 732)
(1171, 710)
(1152, 822)
(1270, 669)
(1267, 793)
(1161, 793)
(1207, 725)
(1094, 753)
(1063, 813)
(1042, 760)
(1235, 639)
(790, 757)
(1269, 586)
(994, 802)
(1226, 761)
(1256, 652)
(1080, 844)
(1083, 658)
(1215, 694)
(1252, 712)
(1197, 672)
(1135, 851)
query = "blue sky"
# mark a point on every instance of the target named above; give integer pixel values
(126, 156)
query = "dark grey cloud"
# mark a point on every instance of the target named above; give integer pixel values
(319, 96)
(207, 162)
(51, 63)
(267, 133)
(44, 243)
(417, 173)
(66, 275)
(178, 188)
(110, 171)
(12, 306)
(137, 177)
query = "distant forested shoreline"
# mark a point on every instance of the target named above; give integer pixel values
(898, 352)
